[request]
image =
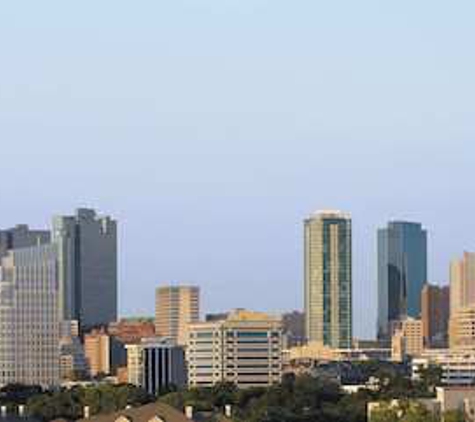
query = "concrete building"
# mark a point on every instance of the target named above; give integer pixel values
(156, 364)
(435, 314)
(244, 349)
(458, 365)
(29, 326)
(175, 308)
(462, 282)
(328, 279)
(97, 350)
(104, 353)
(407, 341)
(402, 273)
(87, 248)
(73, 361)
(21, 236)
(462, 327)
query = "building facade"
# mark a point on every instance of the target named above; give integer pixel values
(462, 282)
(402, 273)
(156, 364)
(462, 327)
(245, 349)
(435, 314)
(293, 324)
(407, 340)
(175, 308)
(21, 236)
(87, 248)
(328, 279)
(29, 324)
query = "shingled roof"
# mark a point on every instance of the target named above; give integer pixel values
(154, 412)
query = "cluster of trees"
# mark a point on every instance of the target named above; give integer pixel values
(406, 411)
(310, 399)
(69, 404)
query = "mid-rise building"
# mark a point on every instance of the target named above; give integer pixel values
(87, 248)
(435, 314)
(156, 364)
(407, 340)
(73, 361)
(29, 325)
(462, 327)
(104, 353)
(462, 282)
(402, 273)
(245, 349)
(328, 279)
(175, 308)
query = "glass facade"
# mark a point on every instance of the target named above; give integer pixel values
(402, 272)
(328, 279)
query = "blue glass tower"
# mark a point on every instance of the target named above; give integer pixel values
(402, 272)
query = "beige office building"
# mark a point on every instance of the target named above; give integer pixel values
(175, 308)
(244, 349)
(462, 327)
(462, 282)
(328, 279)
(408, 340)
(29, 326)
(98, 350)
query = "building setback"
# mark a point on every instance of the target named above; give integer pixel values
(87, 248)
(402, 273)
(21, 236)
(328, 279)
(29, 328)
(175, 308)
(244, 349)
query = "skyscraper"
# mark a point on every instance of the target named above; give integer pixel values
(328, 279)
(87, 248)
(402, 273)
(175, 308)
(462, 282)
(29, 328)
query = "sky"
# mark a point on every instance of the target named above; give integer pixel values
(211, 128)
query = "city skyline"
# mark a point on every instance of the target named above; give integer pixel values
(210, 129)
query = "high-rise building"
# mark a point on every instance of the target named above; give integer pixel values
(175, 308)
(87, 247)
(402, 273)
(245, 349)
(156, 364)
(328, 279)
(29, 328)
(462, 282)
(435, 314)
(21, 236)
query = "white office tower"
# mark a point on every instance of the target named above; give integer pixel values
(29, 328)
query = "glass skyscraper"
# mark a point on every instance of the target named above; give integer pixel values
(328, 279)
(402, 272)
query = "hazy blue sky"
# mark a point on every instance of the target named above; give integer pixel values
(210, 129)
